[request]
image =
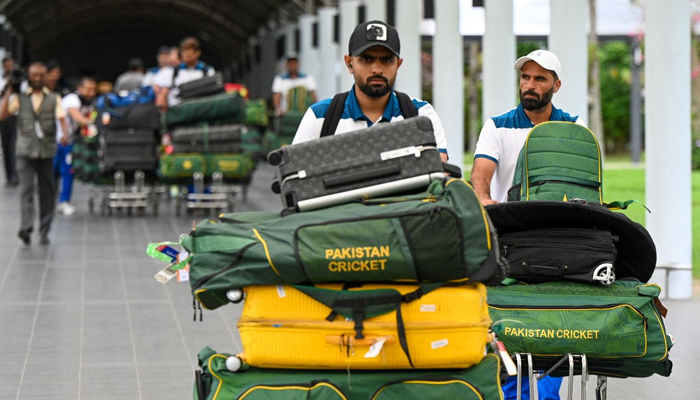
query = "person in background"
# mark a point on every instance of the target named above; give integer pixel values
(8, 130)
(55, 81)
(163, 59)
(131, 79)
(79, 107)
(38, 109)
(284, 84)
(190, 69)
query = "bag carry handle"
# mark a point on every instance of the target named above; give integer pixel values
(361, 176)
(348, 339)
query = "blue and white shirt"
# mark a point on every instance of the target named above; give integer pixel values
(167, 78)
(501, 139)
(354, 119)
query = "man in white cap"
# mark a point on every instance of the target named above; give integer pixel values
(503, 136)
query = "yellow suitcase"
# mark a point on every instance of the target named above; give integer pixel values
(283, 328)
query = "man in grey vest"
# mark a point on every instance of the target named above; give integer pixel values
(36, 147)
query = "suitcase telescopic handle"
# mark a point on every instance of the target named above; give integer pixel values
(349, 339)
(361, 176)
(452, 170)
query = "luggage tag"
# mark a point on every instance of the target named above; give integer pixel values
(500, 348)
(178, 262)
(376, 348)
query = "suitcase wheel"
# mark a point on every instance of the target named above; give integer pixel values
(276, 189)
(287, 211)
(275, 158)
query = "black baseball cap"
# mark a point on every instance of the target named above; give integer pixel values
(374, 33)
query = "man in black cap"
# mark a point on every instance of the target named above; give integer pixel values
(374, 61)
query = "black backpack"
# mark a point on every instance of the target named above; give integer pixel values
(335, 111)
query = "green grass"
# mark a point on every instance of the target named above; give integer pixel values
(628, 183)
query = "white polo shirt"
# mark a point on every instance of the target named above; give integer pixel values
(184, 75)
(354, 119)
(283, 83)
(501, 139)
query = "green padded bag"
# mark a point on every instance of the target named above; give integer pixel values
(288, 124)
(256, 113)
(216, 382)
(442, 235)
(181, 165)
(559, 161)
(619, 327)
(229, 107)
(230, 165)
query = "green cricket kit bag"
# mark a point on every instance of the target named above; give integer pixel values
(559, 161)
(218, 107)
(619, 327)
(224, 377)
(574, 240)
(442, 235)
(256, 113)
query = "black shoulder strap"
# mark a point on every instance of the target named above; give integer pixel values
(408, 110)
(335, 111)
(176, 71)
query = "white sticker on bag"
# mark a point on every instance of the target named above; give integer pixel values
(428, 308)
(183, 275)
(376, 348)
(280, 291)
(439, 343)
(406, 151)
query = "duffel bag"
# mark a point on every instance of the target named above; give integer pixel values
(113, 100)
(442, 235)
(181, 165)
(572, 254)
(288, 123)
(229, 107)
(619, 327)
(231, 166)
(135, 116)
(216, 382)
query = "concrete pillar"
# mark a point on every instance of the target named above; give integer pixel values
(568, 39)
(408, 18)
(448, 81)
(498, 44)
(668, 187)
(348, 22)
(290, 39)
(308, 55)
(328, 54)
(376, 10)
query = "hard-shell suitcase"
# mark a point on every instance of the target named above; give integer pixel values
(128, 149)
(202, 87)
(218, 107)
(572, 254)
(282, 327)
(208, 138)
(217, 382)
(379, 161)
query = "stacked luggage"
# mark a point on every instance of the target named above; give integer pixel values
(257, 121)
(207, 134)
(125, 137)
(366, 283)
(577, 300)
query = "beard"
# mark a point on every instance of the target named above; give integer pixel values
(531, 104)
(374, 91)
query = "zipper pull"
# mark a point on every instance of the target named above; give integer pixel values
(505, 251)
(201, 314)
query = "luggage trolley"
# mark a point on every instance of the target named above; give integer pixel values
(135, 198)
(601, 390)
(219, 197)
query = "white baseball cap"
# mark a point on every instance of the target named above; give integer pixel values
(546, 59)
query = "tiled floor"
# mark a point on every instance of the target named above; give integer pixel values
(84, 318)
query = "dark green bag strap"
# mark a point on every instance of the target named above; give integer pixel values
(363, 304)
